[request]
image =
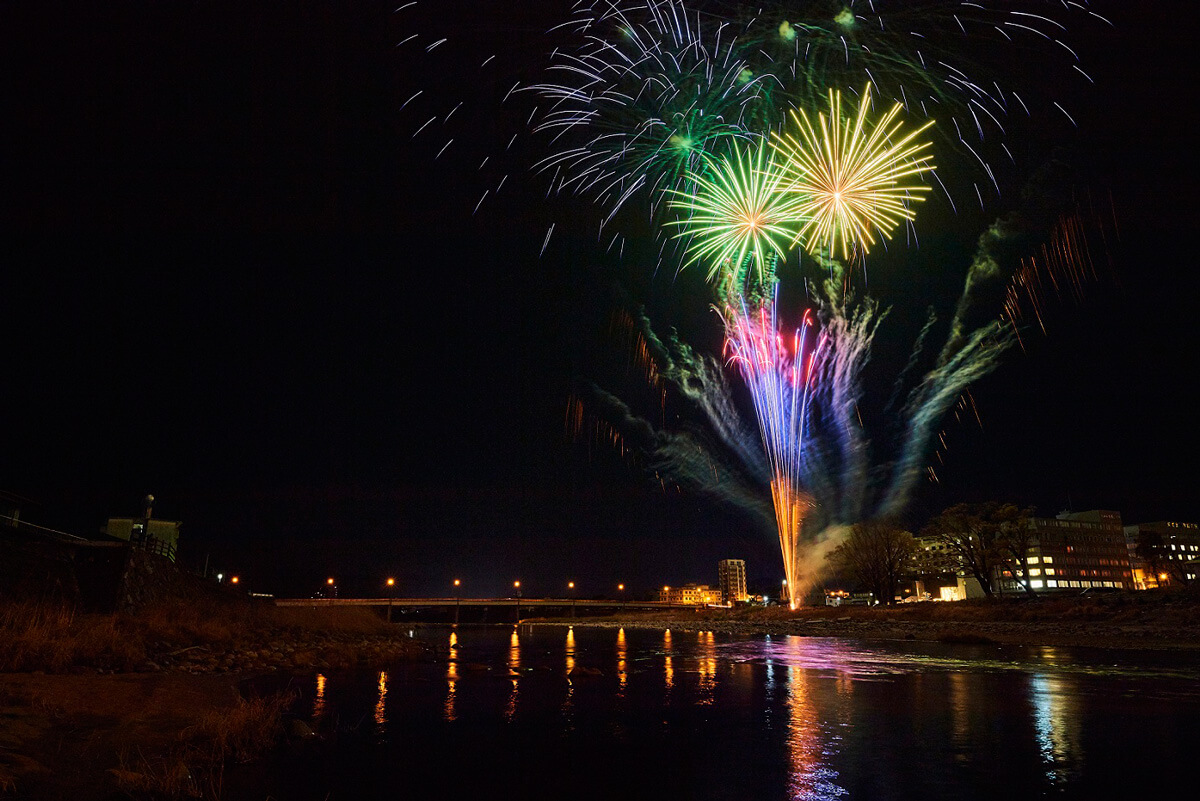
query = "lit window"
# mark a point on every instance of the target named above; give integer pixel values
(1035, 571)
(1037, 585)
(1052, 583)
(1049, 571)
(1033, 560)
(1048, 560)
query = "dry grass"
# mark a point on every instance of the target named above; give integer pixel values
(195, 768)
(51, 637)
(245, 732)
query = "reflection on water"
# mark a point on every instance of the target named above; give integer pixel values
(380, 704)
(568, 704)
(811, 778)
(1056, 723)
(768, 719)
(708, 667)
(960, 715)
(319, 699)
(449, 712)
(668, 668)
(514, 670)
(622, 664)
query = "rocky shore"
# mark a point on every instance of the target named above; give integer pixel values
(1124, 622)
(312, 651)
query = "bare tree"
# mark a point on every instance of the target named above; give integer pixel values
(875, 554)
(977, 534)
(1014, 537)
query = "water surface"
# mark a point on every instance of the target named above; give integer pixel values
(594, 713)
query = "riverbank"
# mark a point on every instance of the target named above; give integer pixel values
(1124, 621)
(157, 702)
(210, 636)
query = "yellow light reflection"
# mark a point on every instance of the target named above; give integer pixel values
(380, 704)
(622, 662)
(568, 704)
(708, 668)
(514, 670)
(668, 668)
(319, 699)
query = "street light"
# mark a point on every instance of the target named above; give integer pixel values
(517, 587)
(571, 587)
(457, 599)
(233, 580)
(391, 583)
(332, 591)
(621, 589)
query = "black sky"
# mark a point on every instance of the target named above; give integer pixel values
(230, 275)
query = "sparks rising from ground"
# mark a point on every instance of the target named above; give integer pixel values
(779, 380)
(851, 177)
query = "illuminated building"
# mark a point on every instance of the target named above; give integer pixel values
(1074, 551)
(731, 578)
(696, 594)
(157, 536)
(1163, 553)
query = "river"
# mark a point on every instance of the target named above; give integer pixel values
(550, 712)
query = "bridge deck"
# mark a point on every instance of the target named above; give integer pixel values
(525, 602)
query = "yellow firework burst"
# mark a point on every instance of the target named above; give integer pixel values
(852, 176)
(738, 218)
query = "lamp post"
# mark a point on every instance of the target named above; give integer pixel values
(621, 589)
(517, 587)
(457, 599)
(391, 584)
(331, 591)
(571, 587)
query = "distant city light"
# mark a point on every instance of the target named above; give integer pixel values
(233, 580)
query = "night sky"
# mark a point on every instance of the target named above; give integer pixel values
(231, 276)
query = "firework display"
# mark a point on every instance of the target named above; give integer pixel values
(851, 177)
(729, 123)
(778, 378)
(740, 218)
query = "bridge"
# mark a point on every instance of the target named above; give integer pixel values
(479, 607)
(530, 603)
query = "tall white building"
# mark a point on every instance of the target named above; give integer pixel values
(731, 578)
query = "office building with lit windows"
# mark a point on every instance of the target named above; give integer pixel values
(731, 579)
(1075, 551)
(697, 594)
(1163, 553)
